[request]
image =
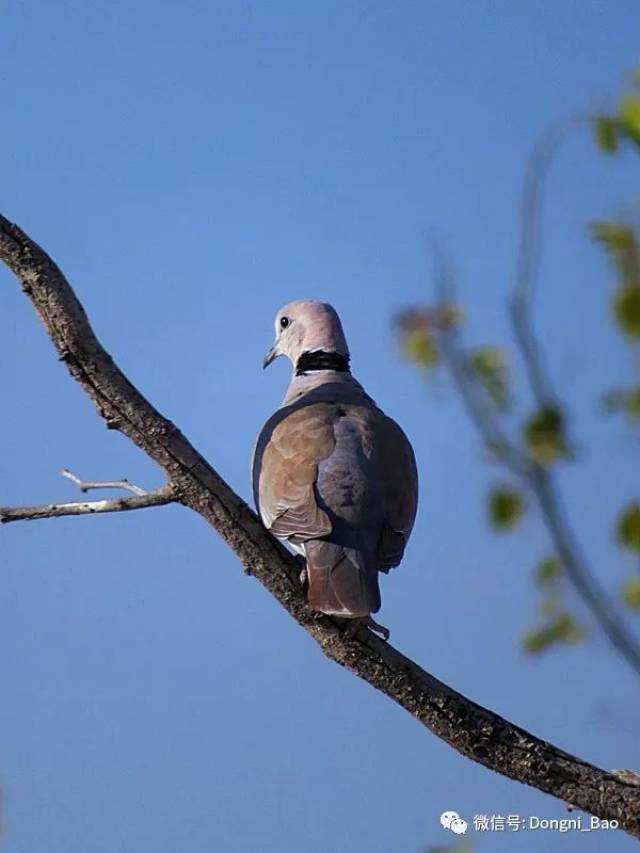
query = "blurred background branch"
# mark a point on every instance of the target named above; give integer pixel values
(432, 337)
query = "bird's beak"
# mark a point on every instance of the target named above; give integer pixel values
(270, 356)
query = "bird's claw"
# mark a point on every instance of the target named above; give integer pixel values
(376, 627)
(366, 621)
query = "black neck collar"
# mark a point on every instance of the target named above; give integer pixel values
(321, 360)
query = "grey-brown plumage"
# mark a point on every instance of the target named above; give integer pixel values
(333, 475)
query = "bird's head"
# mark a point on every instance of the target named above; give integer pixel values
(307, 326)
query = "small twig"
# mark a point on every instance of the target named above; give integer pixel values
(537, 169)
(579, 573)
(164, 495)
(529, 251)
(474, 398)
(141, 500)
(103, 484)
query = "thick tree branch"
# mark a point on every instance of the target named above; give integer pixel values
(474, 731)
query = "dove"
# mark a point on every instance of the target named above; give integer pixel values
(334, 477)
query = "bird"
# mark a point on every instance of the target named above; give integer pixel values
(334, 477)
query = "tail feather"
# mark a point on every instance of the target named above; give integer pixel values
(340, 582)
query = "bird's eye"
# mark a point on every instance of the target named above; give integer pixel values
(284, 322)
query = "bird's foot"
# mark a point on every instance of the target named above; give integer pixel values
(376, 627)
(352, 626)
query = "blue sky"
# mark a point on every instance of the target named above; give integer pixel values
(193, 167)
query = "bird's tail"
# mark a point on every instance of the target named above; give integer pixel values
(340, 581)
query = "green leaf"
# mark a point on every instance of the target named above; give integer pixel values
(420, 346)
(568, 630)
(631, 593)
(548, 570)
(506, 507)
(489, 365)
(606, 132)
(620, 244)
(630, 117)
(628, 528)
(562, 629)
(626, 307)
(537, 641)
(616, 237)
(544, 435)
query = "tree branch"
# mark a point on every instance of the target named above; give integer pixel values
(483, 413)
(480, 409)
(87, 485)
(543, 487)
(474, 731)
(540, 480)
(160, 497)
(528, 257)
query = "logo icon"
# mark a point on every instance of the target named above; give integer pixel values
(453, 821)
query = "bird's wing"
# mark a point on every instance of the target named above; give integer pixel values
(399, 475)
(288, 453)
(393, 461)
